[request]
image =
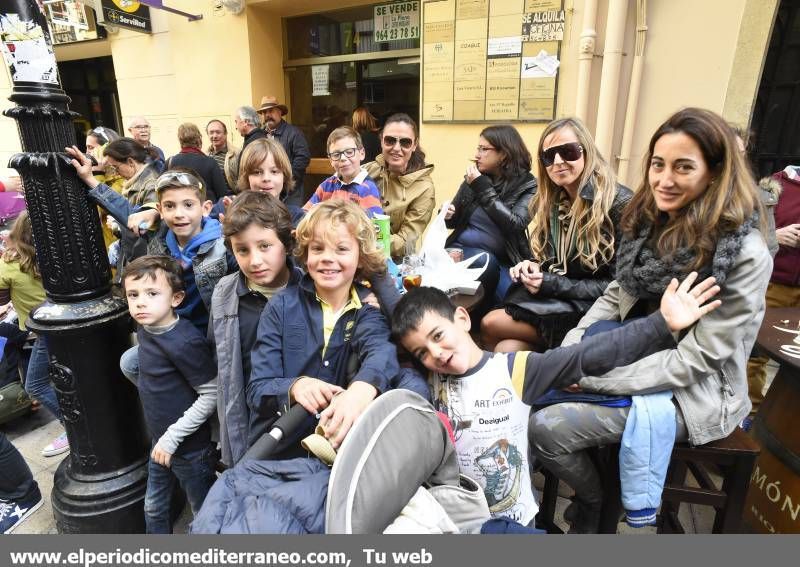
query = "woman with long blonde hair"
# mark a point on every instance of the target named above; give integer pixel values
(696, 210)
(573, 240)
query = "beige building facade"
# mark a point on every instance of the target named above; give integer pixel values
(707, 53)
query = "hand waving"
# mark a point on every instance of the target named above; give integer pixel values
(682, 305)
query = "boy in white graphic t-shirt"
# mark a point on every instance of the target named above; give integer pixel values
(487, 396)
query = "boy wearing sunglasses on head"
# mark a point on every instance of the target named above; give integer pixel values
(186, 233)
(351, 181)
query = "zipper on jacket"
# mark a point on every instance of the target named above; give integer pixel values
(727, 390)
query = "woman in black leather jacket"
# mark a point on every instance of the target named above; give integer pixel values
(572, 246)
(490, 211)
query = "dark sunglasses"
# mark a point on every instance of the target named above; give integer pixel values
(568, 152)
(177, 179)
(390, 141)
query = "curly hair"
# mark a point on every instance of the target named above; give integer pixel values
(21, 249)
(729, 200)
(595, 234)
(326, 217)
(254, 155)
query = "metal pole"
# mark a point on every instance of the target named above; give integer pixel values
(100, 487)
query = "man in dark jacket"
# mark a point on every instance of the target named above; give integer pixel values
(246, 122)
(192, 156)
(292, 140)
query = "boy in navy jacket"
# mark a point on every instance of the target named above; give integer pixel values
(308, 332)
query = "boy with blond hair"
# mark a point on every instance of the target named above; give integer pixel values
(308, 332)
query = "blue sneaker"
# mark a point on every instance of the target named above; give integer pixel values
(747, 424)
(14, 512)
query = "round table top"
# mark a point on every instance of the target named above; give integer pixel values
(780, 327)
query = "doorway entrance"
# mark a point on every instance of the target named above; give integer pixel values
(92, 86)
(334, 63)
(776, 116)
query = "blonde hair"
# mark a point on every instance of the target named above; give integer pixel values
(724, 206)
(595, 230)
(343, 132)
(254, 155)
(189, 135)
(328, 216)
(364, 120)
(21, 248)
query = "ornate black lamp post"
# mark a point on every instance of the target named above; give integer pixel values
(100, 487)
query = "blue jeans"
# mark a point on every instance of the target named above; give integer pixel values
(129, 364)
(16, 480)
(194, 471)
(37, 380)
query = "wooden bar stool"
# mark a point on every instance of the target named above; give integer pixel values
(733, 458)
(606, 459)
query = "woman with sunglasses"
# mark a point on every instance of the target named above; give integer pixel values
(404, 180)
(490, 210)
(696, 210)
(573, 241)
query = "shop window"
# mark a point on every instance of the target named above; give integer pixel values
(323, 97)
(344, 32)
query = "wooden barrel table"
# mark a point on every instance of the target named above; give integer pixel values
(773, 500)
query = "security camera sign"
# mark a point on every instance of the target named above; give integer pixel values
(397, 21)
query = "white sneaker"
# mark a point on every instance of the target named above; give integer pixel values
(59, 445)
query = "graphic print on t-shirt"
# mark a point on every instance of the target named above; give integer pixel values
(491, 425)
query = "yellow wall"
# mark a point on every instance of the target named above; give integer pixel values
(184, 71)
(707, 53)
(689, 61)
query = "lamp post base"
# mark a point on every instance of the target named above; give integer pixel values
(100, 488)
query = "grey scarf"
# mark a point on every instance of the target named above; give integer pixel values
(643, 274)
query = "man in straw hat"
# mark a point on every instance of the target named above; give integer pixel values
(292, 140)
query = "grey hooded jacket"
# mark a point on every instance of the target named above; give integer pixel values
(707, 372)
(223, 329)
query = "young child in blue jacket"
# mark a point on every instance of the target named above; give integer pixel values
(308, 332)
(186, 233)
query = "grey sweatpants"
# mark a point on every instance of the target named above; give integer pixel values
(559, 435)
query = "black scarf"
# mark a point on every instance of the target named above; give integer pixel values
(643, 274)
